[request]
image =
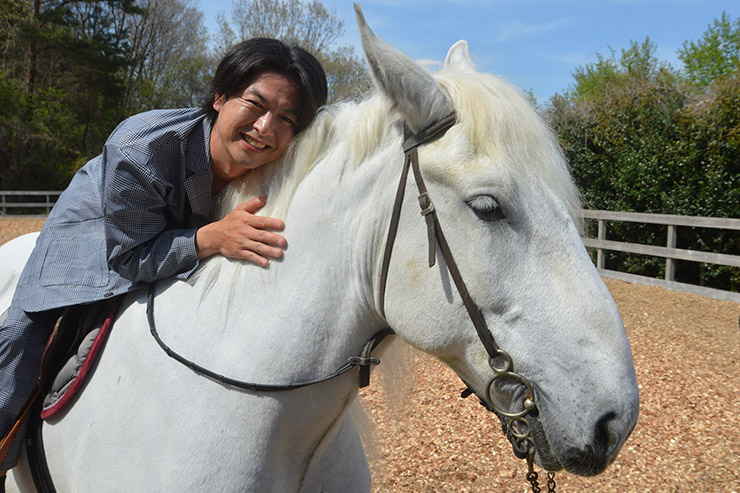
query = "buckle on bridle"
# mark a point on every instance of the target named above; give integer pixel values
(365, 363)
(426, 204)
(360, 361)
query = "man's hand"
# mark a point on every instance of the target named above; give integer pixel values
(243, 235)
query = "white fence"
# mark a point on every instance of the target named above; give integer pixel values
(669, 252)
(44, 201)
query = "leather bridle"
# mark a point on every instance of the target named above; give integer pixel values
(435, 236)
(516, 426)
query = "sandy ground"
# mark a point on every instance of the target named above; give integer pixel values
(687, 356)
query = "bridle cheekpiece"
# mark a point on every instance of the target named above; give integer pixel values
(516, 426)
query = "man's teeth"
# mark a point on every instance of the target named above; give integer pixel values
(254, 143)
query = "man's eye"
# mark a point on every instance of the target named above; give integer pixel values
(288, 120)
(251, 102)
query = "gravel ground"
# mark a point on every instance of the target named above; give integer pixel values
(10, 227)
(687, 355)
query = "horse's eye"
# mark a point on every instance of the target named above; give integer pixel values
(486, 208)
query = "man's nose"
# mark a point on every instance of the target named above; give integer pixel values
(264, 124)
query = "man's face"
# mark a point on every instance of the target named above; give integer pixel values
(254, 128)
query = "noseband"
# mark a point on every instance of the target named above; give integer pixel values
(516, 426)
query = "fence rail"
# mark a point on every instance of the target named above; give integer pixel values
(669, 252)
(25, 201)
(44, 200)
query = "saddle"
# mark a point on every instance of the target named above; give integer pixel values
(78, 335)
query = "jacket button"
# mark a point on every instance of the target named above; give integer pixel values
(108, 294)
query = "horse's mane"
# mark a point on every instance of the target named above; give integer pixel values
(365, 121)
(497, 119)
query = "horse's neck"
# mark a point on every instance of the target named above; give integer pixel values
(305, 315)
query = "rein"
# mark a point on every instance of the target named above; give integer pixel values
(516, 426)
(364, 360)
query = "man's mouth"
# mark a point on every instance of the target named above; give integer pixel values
(254, 143)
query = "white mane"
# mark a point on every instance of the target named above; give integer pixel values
(499, 122)
(497, 119)
(366, 122)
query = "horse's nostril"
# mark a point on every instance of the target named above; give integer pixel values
(596, 456)
(604, 439)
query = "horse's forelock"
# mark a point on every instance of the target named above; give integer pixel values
(499, 121)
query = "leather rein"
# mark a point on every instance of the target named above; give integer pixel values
(364, 360)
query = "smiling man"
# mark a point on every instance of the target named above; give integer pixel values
(139, 212)
(251, 129)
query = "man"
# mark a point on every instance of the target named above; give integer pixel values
(139, 212)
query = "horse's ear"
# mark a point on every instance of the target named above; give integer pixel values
(458, 58)
(409, 85)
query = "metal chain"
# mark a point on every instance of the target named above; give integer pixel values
(532, 477)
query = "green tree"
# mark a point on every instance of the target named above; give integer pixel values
(715, 55)
(13, 13)
(614, 123)
(641, 136)
(708, 154)
(73, 69)
(65, 84)
(617, 125)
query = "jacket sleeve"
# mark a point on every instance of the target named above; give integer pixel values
(145, 237)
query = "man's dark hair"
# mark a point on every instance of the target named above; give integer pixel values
(249, 59)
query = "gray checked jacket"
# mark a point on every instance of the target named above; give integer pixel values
(128, 217)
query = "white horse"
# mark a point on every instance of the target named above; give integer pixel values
(13, 256)
(504, 195)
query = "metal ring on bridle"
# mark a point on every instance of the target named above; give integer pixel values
(528, 404)
(517, 427)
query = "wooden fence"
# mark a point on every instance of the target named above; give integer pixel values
(44, 201)
(669, 252)
(27, 202)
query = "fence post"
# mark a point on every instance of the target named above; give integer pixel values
(670, 264)
(601, 235)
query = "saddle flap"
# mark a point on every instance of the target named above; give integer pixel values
(77, 338)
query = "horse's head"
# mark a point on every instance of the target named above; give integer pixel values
(509, 209)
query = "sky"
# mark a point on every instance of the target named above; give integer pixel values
(534, 44)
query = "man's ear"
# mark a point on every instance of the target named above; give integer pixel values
(218, 103)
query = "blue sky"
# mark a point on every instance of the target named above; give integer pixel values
(535, 44)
